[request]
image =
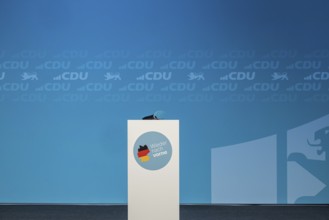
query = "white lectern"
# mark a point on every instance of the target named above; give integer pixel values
(153, 170)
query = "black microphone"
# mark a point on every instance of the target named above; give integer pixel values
(150, 117)
(156, 116)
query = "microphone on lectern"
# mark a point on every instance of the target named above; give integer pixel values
(156, 116)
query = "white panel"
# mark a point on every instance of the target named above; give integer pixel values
(245, 173)
(153, 194)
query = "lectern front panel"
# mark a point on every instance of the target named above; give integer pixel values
(153, 169)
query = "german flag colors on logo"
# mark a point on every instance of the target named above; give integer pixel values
(152, 150)
(143, 152)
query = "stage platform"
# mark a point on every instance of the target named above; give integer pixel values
(187, 212)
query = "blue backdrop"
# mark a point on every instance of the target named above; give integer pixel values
(248, 81)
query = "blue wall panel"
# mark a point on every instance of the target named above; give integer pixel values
(247, 79)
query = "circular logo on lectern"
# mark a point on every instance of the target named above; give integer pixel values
(152, 150)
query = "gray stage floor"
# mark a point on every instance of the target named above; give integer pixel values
(187, 212)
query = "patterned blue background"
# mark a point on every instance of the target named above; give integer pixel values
(246, 79)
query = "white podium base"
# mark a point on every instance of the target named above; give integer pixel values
(153, 170)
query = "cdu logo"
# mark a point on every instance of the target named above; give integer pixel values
(14, 65)
(239, 76)
(264, 65)
(263, 87)
(32, 97)
(305, 65)
(95, 87)
(54, 65)
(320, 76)
(14, 87)
(137, 87)
(179, 87)
(155, 76)
(180, 65)
(305, 87)
(221, 87)
(96, 65)
(217, 65)
(132, 65)
(54, 87)
(72, 76)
